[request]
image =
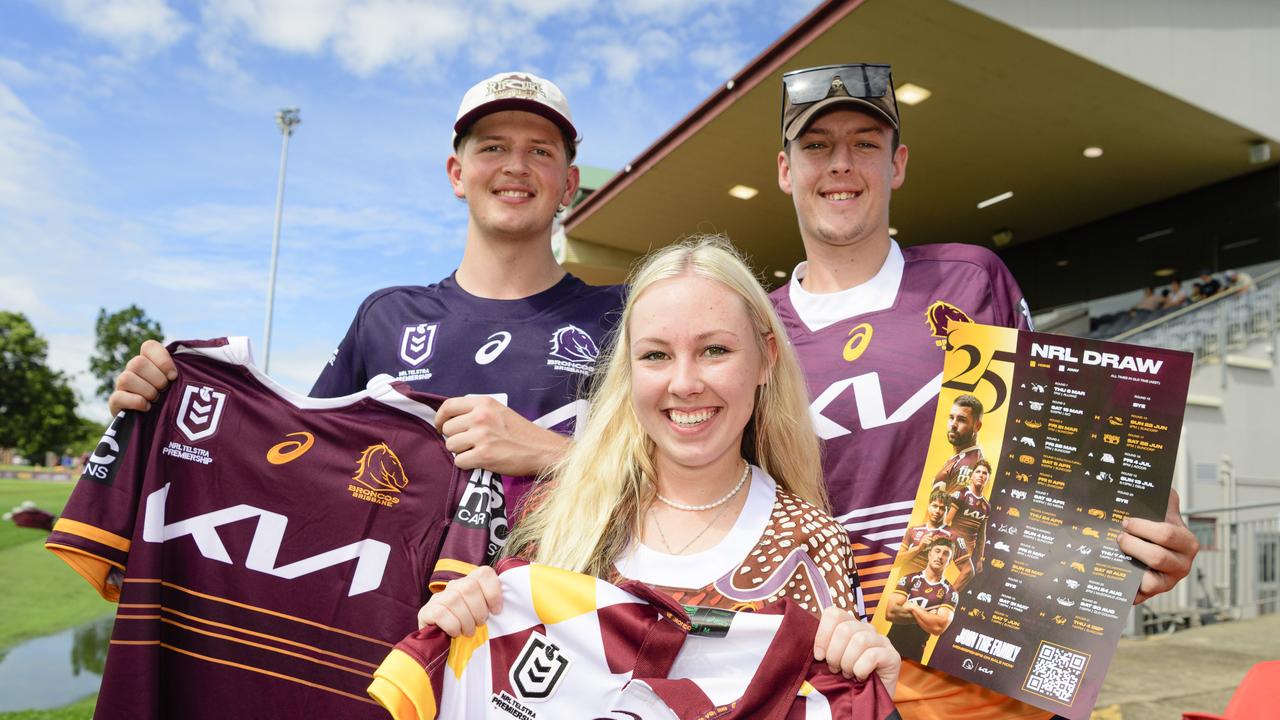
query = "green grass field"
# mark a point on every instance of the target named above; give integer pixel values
(42, 595)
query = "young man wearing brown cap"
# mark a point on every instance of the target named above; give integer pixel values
(870, 320)
(509, 335)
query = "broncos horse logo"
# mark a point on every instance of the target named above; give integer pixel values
(942, 317)
(380, 470)
(573, 344)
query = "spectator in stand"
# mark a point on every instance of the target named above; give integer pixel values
(1239, 280)
(1208, 286)
(1176, 297)
(1150, 302)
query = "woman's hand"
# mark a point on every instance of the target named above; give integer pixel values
(464, 604)
(854, 649)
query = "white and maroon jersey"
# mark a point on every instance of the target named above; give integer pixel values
(972, 511)
(532, 354)
(266, 549)
(780, 547)
(573, 647)
(955, 472)
(872, 356)
(910, 638)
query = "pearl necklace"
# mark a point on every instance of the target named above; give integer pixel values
(746, 471)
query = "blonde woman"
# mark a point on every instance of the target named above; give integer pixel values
(696, 470)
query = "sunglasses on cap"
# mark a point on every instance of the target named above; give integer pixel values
(859, 81)
(810, 91)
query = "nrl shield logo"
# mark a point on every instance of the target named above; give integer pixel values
(417, 342)
(200, 411)
(539, 669)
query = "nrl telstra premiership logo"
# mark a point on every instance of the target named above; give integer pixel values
(417, 343)
(200, 411)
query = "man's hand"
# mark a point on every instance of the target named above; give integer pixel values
(484, 433)
(854, 649)
(144, 377)
(1166, 548)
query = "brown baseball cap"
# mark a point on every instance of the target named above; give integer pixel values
(809, 92)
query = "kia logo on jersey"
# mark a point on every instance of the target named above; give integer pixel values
(200, 411)
(417, 342)
(539, 669)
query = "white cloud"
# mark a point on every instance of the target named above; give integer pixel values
(135, 27)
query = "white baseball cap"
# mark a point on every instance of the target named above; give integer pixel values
(515, 91)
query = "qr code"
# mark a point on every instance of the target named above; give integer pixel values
(1056, 672)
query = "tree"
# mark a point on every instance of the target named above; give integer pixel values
(120, 334)
(37, 404)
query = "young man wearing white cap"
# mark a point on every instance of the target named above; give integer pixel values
(869, 321)
(509, 335)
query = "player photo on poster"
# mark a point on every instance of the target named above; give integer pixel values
(1009, 574)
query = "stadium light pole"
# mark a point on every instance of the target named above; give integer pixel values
(286, 119)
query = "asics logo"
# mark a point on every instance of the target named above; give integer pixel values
(290, 450)
(492, 349)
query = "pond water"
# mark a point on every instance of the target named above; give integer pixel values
(56, 669)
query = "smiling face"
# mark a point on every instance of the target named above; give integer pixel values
(513, 171)
(839, 173)
(696, 360)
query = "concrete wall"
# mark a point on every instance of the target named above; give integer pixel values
(1222, 56)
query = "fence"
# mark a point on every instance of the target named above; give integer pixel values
(1236, 574)
(1226, 323)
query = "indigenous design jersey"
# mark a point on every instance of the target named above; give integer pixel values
(955, 473)
(266, 549)
(873, 358)
(572, 647)
(927, 596)
(532, 354)
(972, 512)
(780, 547)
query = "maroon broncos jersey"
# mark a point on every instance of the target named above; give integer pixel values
(971, 513)
(910, 638)
(955, 472)
(873, 361)
(266, 549)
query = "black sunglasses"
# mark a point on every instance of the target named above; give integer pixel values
(860, 81)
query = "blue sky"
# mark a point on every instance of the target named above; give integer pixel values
(139, 155)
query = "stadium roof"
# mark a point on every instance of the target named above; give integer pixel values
(1008, 112)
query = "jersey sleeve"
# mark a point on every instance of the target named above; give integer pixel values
(345, 372)
(93, 535)
(477, 529)
(1009, 305)
(410, 680)
(901, 587)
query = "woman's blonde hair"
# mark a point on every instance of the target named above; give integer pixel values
(592, 504)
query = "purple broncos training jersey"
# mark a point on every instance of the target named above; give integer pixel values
(873, 357)
(267, 550)
(532, 354)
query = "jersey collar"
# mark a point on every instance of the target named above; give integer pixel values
(820, 310)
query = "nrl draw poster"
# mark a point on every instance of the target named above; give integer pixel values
(1009, 575)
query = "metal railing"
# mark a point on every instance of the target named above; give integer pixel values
(1236, 574)
(1222, 324)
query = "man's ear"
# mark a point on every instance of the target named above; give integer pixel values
(784, 172)
(453, 167)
